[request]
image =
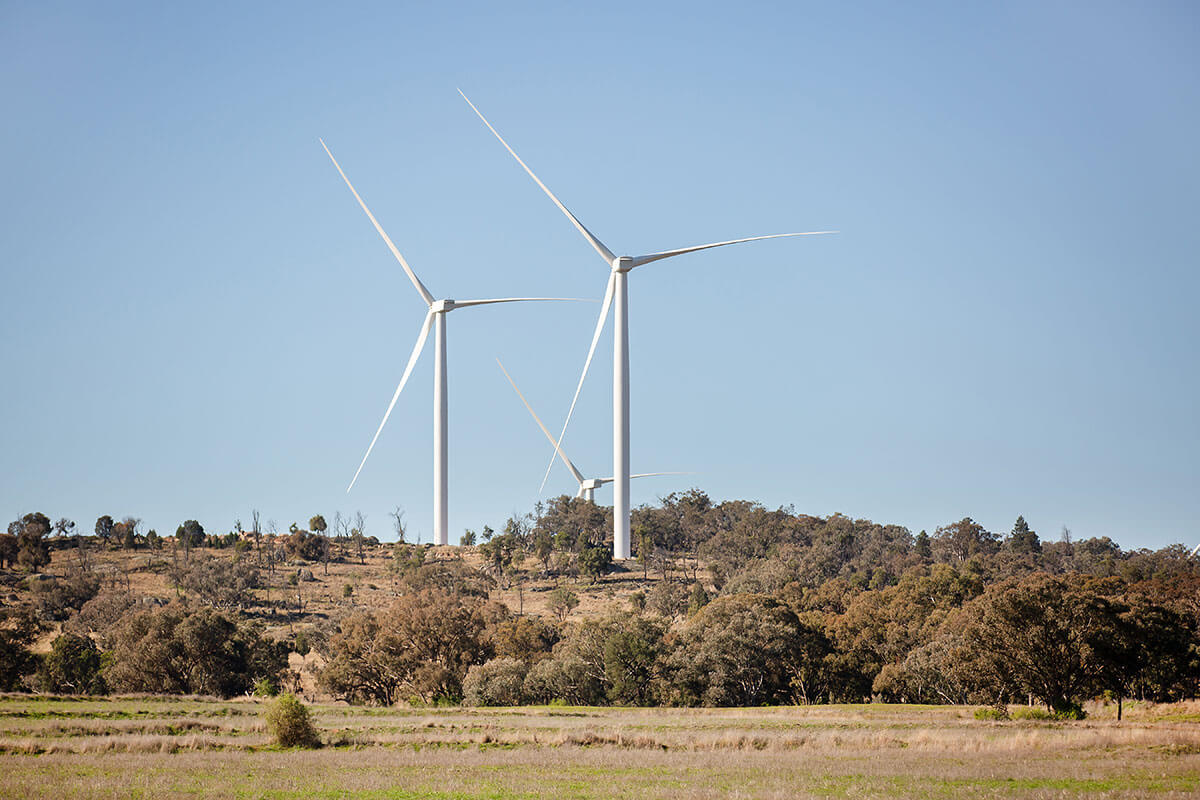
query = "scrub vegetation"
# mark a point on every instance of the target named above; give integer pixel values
(726, 604)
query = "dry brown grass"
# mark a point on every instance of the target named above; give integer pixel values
(145, 574)
(147, 747)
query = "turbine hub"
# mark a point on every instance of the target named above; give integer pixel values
(622, 264)
(442, 306)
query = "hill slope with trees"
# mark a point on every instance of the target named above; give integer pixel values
(724, 604)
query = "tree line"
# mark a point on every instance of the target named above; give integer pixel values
(736, 604)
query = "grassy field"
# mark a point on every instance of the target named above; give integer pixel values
(132, 747)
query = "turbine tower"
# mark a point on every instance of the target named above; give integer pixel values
(587, 486)
(435, 317)
(616, 294)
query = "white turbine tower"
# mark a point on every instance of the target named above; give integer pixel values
(587, 486)
(616, 294)
(435, 317)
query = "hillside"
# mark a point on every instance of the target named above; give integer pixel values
(724, 604)
(295, 597)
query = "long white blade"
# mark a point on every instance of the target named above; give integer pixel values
(608, 296)
(652, 474)
(605, 253)
(575, 472)
(465, 303)
(412, 276)
(639, 260)
(645, 475)
(412, 360)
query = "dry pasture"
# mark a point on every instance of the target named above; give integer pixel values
(193, 747)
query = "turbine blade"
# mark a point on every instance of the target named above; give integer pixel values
(646, 475)
(608, 296)
(412, 360)
(412, 276)
(575, 472)
(465, 303)
(653, 474)
(605, 253)
(639, 260)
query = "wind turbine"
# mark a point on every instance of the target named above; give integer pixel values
(587, 486)
(435, 317)
(616, 294)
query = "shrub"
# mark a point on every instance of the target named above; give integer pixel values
(55, 599)
(220, 582)
(744, 650)
(422, 646)
(16, 661)
(992, 713)
(265, 687)
(526, 638)
(100, 615)
(562, 601)
(72, 666)
(564, 677)
(177, 650)
(499, 682)
(1037, 714)
(289, 723)
(594, 561)
(668, 599)
(1069, 712)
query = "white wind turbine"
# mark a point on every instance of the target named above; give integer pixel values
(587, 486)
(435, 317)
(616, 294)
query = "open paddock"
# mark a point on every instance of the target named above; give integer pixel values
(158, 747)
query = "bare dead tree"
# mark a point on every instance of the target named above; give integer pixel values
(341, 531)
(397, 515)
(359, 534)
(256, 529)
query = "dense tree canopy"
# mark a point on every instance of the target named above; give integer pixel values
(178, 650)
(421, 648)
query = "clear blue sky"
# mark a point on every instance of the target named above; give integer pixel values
(198, 320)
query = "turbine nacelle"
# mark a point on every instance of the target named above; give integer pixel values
(623, 264)
(587, 488)
(441, 306)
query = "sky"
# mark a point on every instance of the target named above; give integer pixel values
(198, 320)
